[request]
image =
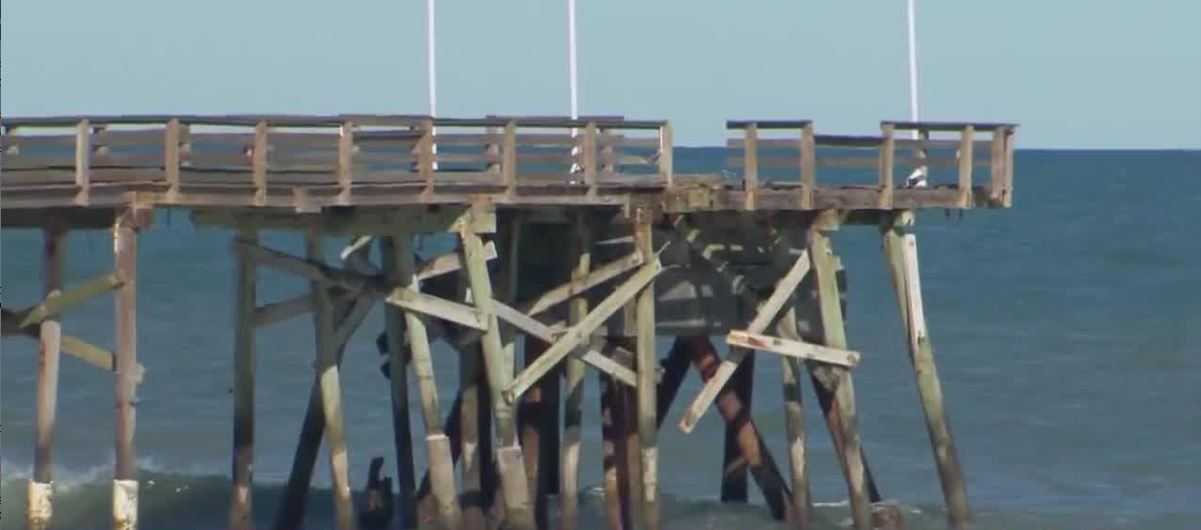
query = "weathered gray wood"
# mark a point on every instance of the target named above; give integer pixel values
(733, 466)
(996, 188)
(834, 332)
(437, 446)
(417, 302)
(345, 161)
(39, 502)
(965, 167)
(569, 473)
(402, 436)
(474, 430)
(887, 151)
(792, 348)
(766, 313)
(1009, 148)
(241, 513)
(577, 334)
(59, 301)
(901, 251)
(291, 508)
(518, 513)
(647, 410)
(577, 286)
(172, 135)
(258, 162)
(808, 166)
(331, 392)
(125, 476)
(508, 164)
(666, 155)
(83, 161)
(750, 167)
(791, 372)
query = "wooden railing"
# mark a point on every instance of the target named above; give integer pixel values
(795, 153)
(344, 159)
(278, 153)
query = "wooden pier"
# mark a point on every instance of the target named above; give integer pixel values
(744, 255)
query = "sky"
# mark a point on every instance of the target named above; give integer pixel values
(1072, 73)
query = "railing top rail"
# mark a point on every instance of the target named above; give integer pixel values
(948, 126)
(289, 120)
(768, 124)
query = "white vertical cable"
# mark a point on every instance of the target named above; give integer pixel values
(571, 60)
(913, 114)
(430, 61)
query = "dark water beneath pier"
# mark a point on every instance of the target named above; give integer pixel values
(1067, 331)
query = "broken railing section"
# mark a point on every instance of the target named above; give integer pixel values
(789, 153)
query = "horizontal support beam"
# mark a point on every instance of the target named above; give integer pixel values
(576, 334)
(419, 302)
(56, 303)
(356, 221)
(793, 348)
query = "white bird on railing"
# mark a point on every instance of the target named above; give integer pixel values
(917, 179)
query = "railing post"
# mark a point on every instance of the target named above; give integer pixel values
(345, 161)
(750, 164)
(1008, 167)
(426, 157)
(83, 161)
(492, 150)
(171, 143)
(589, 152)
(666, 144)
(258, 160)
(887, 150)
(996, 192)
(508, 165)
(808, 166)
(965, 167)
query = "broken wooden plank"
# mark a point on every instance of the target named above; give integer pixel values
(792, 348)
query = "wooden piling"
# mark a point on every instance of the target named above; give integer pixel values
(759, 460)
(518, 512)
(331, 391)
(473, 430)
(646, 363)
(733, 466)
(39, 502)
(290, 511)
(821, 254)
(398, 361)
(531, 415)
(125, 477)
(400, 268)
(794, 421)
(901, 251)
(241, 514)
(613, 454)
(573, 369)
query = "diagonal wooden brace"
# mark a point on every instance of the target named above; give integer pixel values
(56, 303)
(793, 348)
(419, 302)
(75, 347)
(768, 310)
(548, 334)
(577, 334)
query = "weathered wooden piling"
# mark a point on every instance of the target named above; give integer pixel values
(646, 365)
(901, 251)
(398, 384)
(241, 513)
(733, 466)
(331, 390)
(573, 379)
(821, 253)
(532, 413)
(40, 507)
(125, 477)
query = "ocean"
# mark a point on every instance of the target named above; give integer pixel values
(1067, 332)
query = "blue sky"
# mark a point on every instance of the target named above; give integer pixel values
(1073, 73)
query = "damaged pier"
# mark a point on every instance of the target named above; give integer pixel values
(577, 240)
